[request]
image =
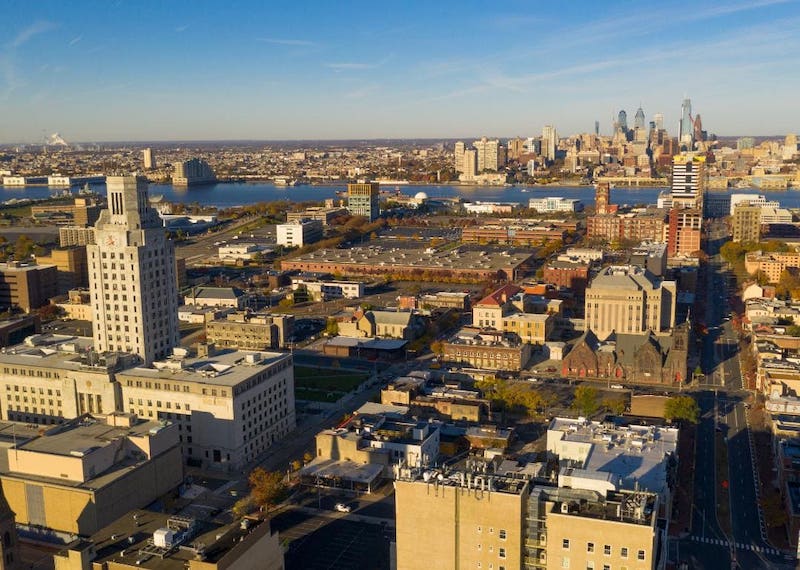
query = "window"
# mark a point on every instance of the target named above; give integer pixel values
(607, 549)
(590, 565)
(640, 555)
(606, 566)
(501, 552)
(565, 562)
(623, 552)
(590, 547)
(501, 534)
(565, 544)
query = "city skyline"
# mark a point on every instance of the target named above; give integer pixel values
(313, 71)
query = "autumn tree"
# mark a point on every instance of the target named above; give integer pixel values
(616, 405)
(585, 400)
(682, 408)
(267, 487)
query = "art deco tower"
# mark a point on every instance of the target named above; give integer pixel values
(132, 275)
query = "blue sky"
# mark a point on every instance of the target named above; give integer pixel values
(157, 70)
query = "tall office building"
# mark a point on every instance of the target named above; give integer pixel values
(622, 121)
(132, 275)
(597, 128)
(688, 181)
(638, 119)
(686, 133)
(658, 119)
(363, 200)
(149, 161)
(549, 142)
(491, 154)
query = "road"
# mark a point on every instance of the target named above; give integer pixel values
(724, 411)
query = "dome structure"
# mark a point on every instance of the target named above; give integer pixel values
(420, 196)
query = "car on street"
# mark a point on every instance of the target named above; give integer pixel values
(342, 508)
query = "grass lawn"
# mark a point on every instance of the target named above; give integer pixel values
(316, 395)
(327, 379)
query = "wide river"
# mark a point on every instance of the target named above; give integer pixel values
(241, 193)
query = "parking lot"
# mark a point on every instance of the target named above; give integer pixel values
(318, 542)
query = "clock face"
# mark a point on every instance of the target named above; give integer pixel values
(110, 240)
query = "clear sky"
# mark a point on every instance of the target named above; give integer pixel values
(209, 69)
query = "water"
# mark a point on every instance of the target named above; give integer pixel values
(225, 195)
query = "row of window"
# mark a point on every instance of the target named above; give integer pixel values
(607, 549)
(29, 372)
(33, 390)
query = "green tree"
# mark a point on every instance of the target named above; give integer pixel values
(585, 400)
(331, 327)
(23, 247)
(267, 487)
(616, 405)
(682, 408)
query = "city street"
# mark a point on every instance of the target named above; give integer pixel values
(724, 411)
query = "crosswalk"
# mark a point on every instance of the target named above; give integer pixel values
(738, 545)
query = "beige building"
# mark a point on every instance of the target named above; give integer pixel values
(78, 477)
(250, 331)
(533, 328)
(487, 349)
(324, 215)
(491, 154)
(71, 266)
(77, 306)
(75, 235)
(386, 324)
(770, 264)
(363, 199)
(27, 286)
(477, 520)
(229, 405)
(132, 275)
(626, 299)
(152, 540)
(747, 223)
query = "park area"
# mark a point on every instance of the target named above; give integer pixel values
(325, 384)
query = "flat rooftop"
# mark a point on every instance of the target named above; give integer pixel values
(59, 351)
(634, 454)
(128, 541)
(225, 367)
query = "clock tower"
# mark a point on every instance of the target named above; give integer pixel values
(132, 275)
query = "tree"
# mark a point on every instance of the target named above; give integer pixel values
(307, 457)
(437, 347)
(331, 327)
(23, 247)
(682, 408)
(585, 400)
(615, 405)
(267, 487)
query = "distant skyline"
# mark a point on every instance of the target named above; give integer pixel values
(203, 70)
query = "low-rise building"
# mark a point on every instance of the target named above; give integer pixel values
(251, 331)
(16, 329)
(771, 265)
(78, 477)
(241, 250)
(573, 276)
(326, 290)
(72, 268)
(387, 324)
(230, 297)
(77, 305)
(553, 204)
(27, 286)
(153, 540)
(487, 349)
(324, 215)
(299, 233)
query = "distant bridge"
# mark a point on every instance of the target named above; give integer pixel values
(633, 180)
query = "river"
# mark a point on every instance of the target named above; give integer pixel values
(225, 195)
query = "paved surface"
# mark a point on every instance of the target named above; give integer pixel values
(723, 410)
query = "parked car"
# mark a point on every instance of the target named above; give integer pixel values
(342, 508)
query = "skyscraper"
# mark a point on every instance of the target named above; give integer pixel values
(149, 162)
(549, 142)
(491, 154)
(132, 275)
(638, 119)
(597, 127)
(686, 123)
(622, 121)
(658, 118)
(459, 157)
(363, 200)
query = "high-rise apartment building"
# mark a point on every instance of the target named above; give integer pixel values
(747, 222)
(132, 275)
(363, 199)
(149, 161)
(549, 142)
(459, 156)
(516, 148)
(628, 300)
(491, 154)
(688, 180)
(469, 164)
(684, 232)
(192, 172)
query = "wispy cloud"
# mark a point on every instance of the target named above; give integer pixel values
(356, 65)
(75, 40)
(26, 34)
(286, 41)
(182, 28)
